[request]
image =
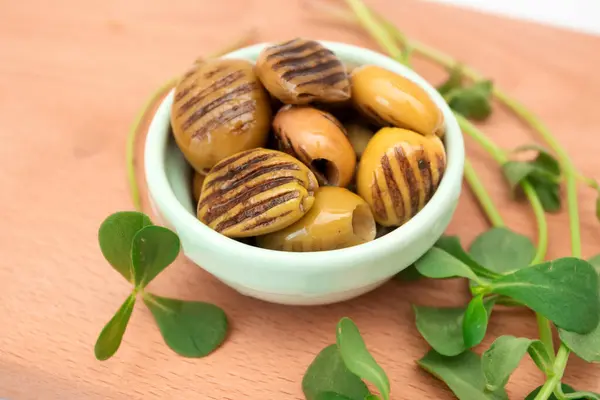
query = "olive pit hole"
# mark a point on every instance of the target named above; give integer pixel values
(363, 223)
(326, 170)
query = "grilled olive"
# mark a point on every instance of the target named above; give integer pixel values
(399, 172)
(391, 99)
(302, 71)
(197, 182)
(317, 139)
(338, 219)
(256, 192)
(220, 108)
(359, 135)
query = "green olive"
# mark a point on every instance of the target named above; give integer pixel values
(303, 71)
(317, 139)
(256, 192)
(399, 172)
(391, 99)
(338, 219)
(219, 108)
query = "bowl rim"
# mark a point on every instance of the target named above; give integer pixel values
(167, 204)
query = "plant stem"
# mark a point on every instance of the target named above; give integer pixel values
(558, 370)
(482, 195)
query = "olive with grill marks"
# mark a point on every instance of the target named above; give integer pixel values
(255, 192)
(399, 172)
(319, 140)
(197, 182)
(219, 108)
(302, 71)
(390, 99)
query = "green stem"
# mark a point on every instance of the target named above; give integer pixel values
(370, 23)
(557, 372)
(482, 195)
(545, 331)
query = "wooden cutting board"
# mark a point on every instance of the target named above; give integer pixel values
(73, 74)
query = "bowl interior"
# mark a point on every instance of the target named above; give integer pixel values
(179, 174)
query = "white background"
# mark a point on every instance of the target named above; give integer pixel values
(579, 15)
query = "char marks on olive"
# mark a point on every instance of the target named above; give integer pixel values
(412, 184)
(285, 50)
(395, 193)
(378, 204)
(256, 210)
(300, 60)
(220, 83)
(266, 221)
(237, 111)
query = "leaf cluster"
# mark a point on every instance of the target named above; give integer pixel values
(471, 101)
(139, 251)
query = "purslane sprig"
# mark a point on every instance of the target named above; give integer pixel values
(139, 251)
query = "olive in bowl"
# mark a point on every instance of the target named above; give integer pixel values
(312, 277)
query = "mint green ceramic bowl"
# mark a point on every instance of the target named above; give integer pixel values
(299, 278)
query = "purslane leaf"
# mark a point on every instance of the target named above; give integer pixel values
(452, 246)
(586, 346)
(408, 274)
(116, 237)
(539, 354)
(358, 359)
(154, 248)
(564, 290)
(111, 336)
(565, 388)
(442, 328)
(463, 374)
(502, 250)
(454, 81)
(501, 360)
(328, 374)
(190, 328)
(475, 322)
(472, 101)
(548, 193)
(437, 263)
(331, 396)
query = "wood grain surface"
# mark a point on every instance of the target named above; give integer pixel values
(73, 74)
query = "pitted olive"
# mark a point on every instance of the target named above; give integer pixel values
(301, 71)
(197, 182)
(399, 172)
(220, 108)
(256, 192)
(359, 135)
(391, 99)
(338, 219)
(317, 139)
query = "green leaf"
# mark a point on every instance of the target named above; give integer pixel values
(548, 193)
(502, 250)
(332, 396)
(539, 354)
(437, 263)
(501, 360)
(116, 236)
(566, 389)
(328, 374)
(358, 359)
(154, 248)
(475, 322)
(111, 336)
(442, 328)
(473, 101)
(463, 374)
(586, 346)
(454, 81)
(564, 290)
(452, 246)
(190, 328)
